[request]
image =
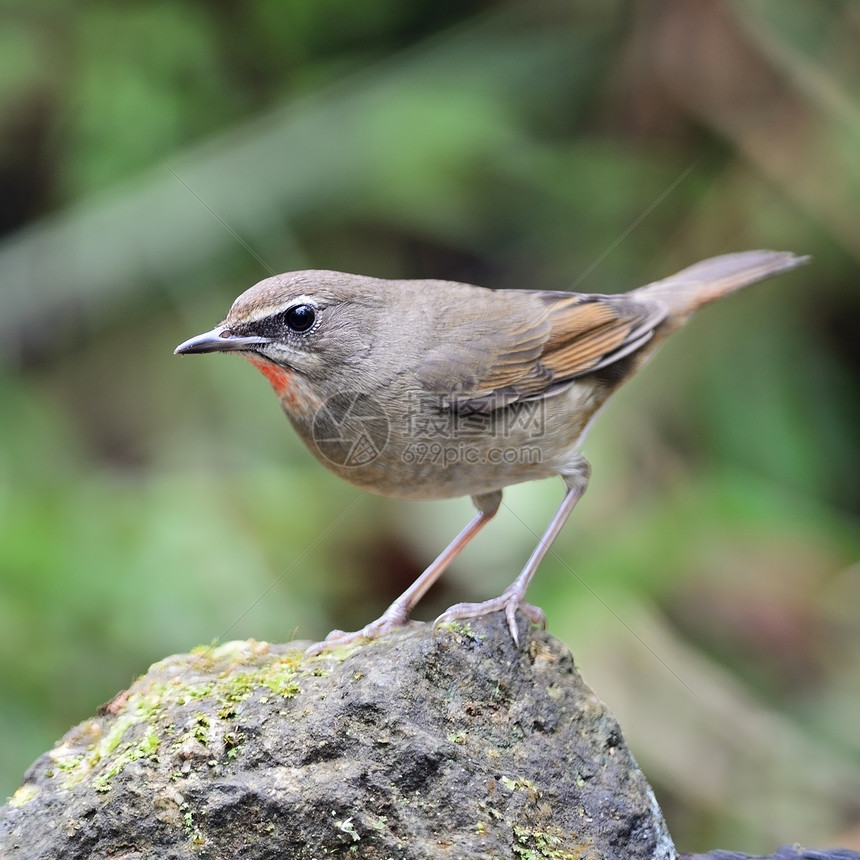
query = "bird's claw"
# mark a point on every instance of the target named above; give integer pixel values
(395, 618)
(508, 601)
(392, 619)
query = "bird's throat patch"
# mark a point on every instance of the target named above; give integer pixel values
(280, 378)
(293, 392)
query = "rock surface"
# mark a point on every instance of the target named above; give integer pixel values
(450, 743)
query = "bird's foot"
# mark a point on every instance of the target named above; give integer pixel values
(508, 601)
(394, 618)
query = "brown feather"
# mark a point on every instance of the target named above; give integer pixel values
(548, 339)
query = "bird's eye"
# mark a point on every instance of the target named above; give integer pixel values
(300, 318)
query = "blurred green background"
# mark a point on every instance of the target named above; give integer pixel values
(157, 158)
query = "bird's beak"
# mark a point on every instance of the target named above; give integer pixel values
(220, 339)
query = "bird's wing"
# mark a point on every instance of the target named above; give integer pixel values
(526, 345)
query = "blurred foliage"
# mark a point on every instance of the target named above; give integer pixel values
(157, 158)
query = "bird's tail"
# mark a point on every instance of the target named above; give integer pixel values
(711, 279)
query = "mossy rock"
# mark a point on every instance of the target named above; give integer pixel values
(446, 743)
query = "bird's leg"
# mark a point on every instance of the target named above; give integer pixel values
(512, 598)
(397, 615)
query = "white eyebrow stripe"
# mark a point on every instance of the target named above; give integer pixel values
(273, 310)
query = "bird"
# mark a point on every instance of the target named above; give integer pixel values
(433, 389)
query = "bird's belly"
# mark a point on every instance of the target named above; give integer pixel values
(446, 455)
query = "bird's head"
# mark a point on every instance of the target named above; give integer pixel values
(311, 324)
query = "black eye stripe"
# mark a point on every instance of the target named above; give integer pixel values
(297, 319)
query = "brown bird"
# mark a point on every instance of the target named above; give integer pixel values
(427, 389)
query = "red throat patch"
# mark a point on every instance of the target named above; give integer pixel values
(292, 390)
(280, 378)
